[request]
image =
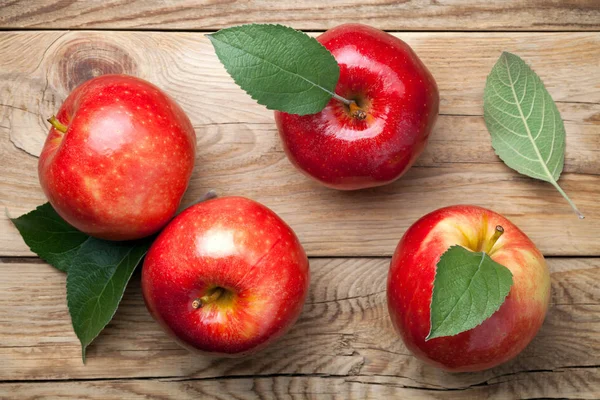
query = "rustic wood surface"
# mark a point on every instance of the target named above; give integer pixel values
(239, 150)
(421, 15)
(343, 346)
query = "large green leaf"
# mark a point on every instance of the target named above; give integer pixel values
(280, 67)
(96, 281)
(468, 288)
(97, 270)
(49, 236)
(527, 131)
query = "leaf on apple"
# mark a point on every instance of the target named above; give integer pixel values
(527, 131)
(97, 270)
(96, 281)
(50, 237)
(468, 288)
(280, 67)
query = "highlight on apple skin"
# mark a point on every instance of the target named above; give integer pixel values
(118, 158)
(379, 136)
(226, 277)
(410, 283)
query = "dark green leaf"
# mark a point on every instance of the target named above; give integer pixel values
(527, 131)
(97, 270)
(280, 67)
(468, 288)
(96, 282)
(49, 236)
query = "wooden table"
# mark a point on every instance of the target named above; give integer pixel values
(343, 346)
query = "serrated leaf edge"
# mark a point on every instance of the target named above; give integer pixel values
(432, 335)
(212, 38)
(521, 169)
(69, 300)
(15, 224)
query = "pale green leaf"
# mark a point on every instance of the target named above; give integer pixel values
(468, 288)
(527, 131)
(280, 67)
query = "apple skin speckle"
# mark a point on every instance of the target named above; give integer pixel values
(257, 260)
(114, 174)
(401, 100)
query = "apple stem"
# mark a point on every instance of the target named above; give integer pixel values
(497, 233)
(208, 298)
(357, 112)
(211, 194)
(57, 124)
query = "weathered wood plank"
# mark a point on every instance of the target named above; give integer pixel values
(577, 383)
(344, 331)
(239, 151)
(511, 15)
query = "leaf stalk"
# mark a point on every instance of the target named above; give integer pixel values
(562, 192)
(342, 99)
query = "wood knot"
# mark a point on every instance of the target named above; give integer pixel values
(82, 59)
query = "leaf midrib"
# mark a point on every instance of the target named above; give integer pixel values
(273, 64)
(533, 143)
(462, 295)
(112, 275)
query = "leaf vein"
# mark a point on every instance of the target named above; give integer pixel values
(537, 151)
(465, 292)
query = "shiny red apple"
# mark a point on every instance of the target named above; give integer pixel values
(375, 139)
(226, 276)
(118, 158)
(410, 283)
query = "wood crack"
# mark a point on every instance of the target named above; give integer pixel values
(265, 376)
(233, 123)
(592, 103)
(362, 296)
(18, 108)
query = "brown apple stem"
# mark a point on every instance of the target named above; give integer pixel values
(357, 112)
(211, 194)
(57, 124)
(208, 298)
(497, 233)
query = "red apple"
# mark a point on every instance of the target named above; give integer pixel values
(118, 158)
(410, 283)
(375, 140)
(226, 277)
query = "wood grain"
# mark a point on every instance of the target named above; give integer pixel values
(343, 335)
(577, 383)
(511, 15)
(240, 153)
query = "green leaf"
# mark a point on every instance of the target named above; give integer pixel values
(280, 67)
(97, 270)
(49, 236)
(527, 131)
(96, 281)
(468, 288)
